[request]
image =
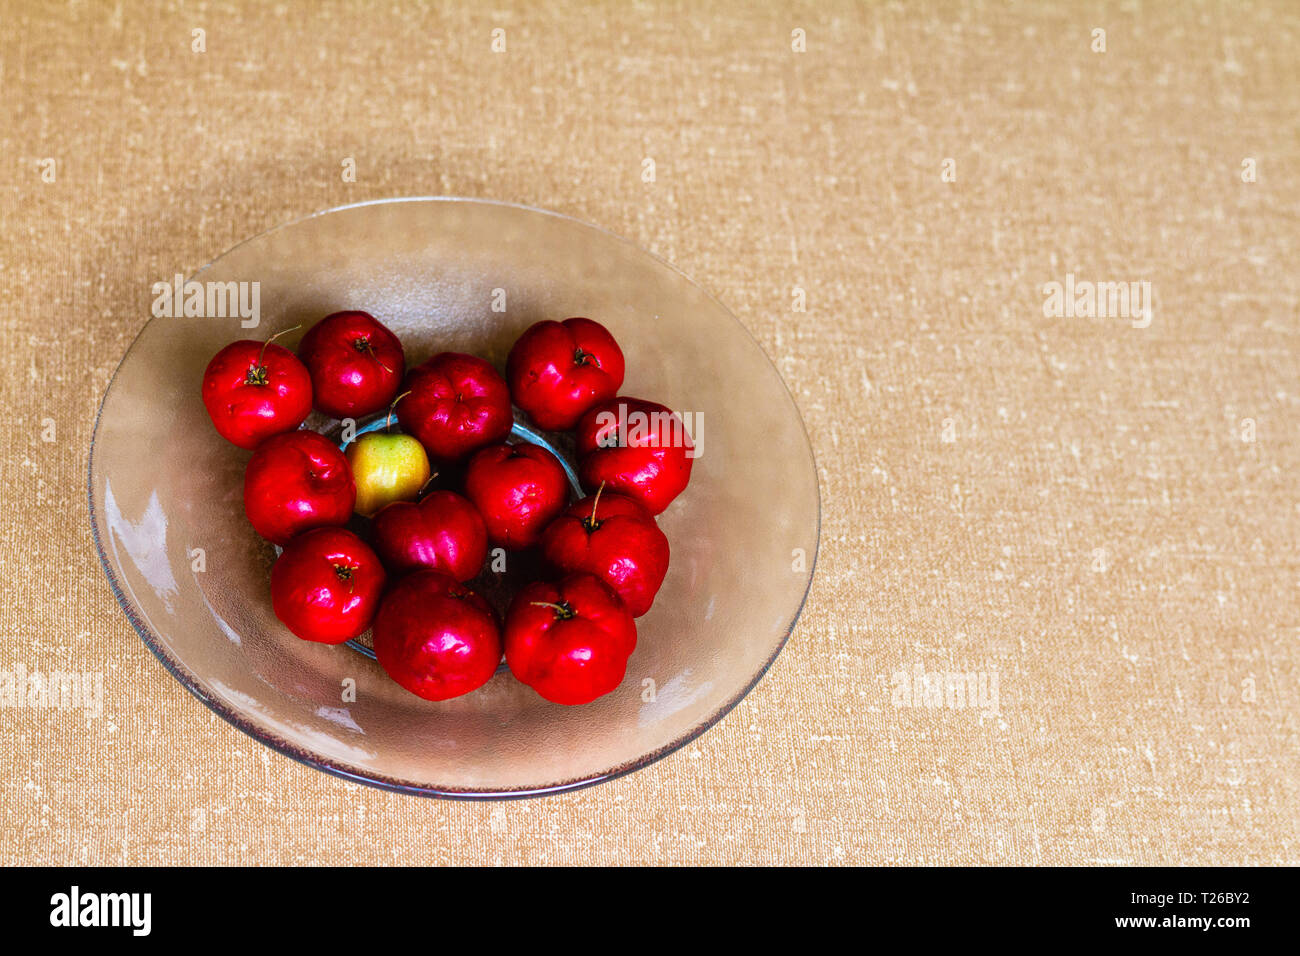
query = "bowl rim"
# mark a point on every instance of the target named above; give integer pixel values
(236, 718)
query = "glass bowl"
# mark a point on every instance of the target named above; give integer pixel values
(457, 275)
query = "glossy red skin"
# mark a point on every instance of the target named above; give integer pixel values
(573, 660)
(295, 482)
(436, 637)
(326, 585)
(244, 412)
(518, 489)
(356, 364)
(558, 370)
(457, 404)
(650, 468)
(444, 531)
(623, 547)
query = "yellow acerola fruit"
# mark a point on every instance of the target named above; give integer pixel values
(387, 468)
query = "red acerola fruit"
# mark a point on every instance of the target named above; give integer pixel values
(326, 584)
(356, 364)
(518, 489)
(616, 539)
(443, 531)
(295, 482)
(569, 640)
(636, 448)
(558, 370)
(253, 390)
(436, 637)
(456, 404)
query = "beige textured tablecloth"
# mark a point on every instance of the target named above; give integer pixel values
(1100, 516)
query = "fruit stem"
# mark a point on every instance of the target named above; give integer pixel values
(262, 354)
(388, 422)
(365, 348)
(591, 522)
(563, 610)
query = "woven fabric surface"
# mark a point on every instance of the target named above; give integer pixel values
(1095, 516)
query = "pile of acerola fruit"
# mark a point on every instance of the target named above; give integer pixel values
(567, 635)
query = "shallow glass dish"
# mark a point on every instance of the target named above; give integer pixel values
(167, 510)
